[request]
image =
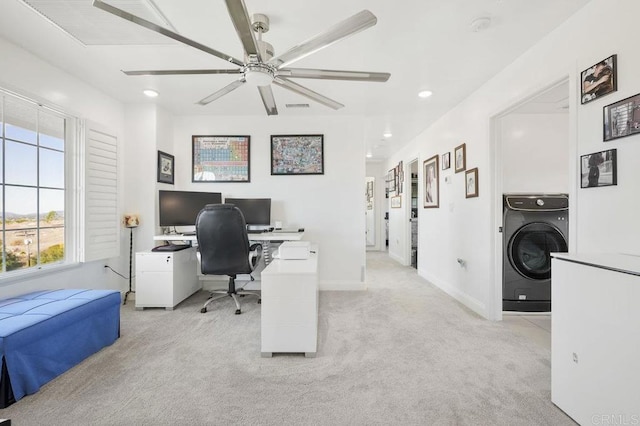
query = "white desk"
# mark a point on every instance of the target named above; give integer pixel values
(289, 311)
(264, 236)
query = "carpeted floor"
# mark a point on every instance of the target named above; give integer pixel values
(403, 352)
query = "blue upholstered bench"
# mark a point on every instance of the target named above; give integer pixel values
(45, 333)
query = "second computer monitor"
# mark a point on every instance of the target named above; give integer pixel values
(256, 211)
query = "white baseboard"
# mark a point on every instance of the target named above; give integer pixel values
(470, 302)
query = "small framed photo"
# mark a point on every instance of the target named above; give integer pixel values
(621, 118)
(220, 159)
(598, 169)
(166, 164)
(396, 202)
(297, 154)
(460, 156)
(431, 182)
(471, 183)
(446, 160)
(599, 80)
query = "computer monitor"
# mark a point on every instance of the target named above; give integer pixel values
(180, 208)
(256, 211)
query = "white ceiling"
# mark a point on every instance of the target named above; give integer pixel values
(424, 44)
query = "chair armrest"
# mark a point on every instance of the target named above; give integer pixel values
(255, 253)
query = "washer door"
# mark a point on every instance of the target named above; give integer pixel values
(530, 246)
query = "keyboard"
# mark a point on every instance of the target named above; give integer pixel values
(257, 231)
(189, 234)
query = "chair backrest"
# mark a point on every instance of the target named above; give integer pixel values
(222, 240)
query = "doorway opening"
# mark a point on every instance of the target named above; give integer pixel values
(413, 214)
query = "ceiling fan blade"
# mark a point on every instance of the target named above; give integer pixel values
(182, 72)
(268, 100)
(335, 74)
(242, 23)
(161, 30)
(341, 30)
(301, 90)
(226, 89)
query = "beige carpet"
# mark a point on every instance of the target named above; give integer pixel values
(402, 352)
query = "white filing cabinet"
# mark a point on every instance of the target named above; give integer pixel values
(289, 312)
(164, 279)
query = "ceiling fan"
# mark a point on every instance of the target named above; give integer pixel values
(260, 68)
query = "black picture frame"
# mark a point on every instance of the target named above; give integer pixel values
(166, 167)
(220, 158)
(297, 154)
(599, 169)
(599, 80)
(621, 118)
(446, 160)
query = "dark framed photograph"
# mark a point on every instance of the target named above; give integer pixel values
(599, 80)
(297, 154)
(431, 183)
(471, 183)
(391, 180)
(621, 118)
(599, 169)
(166, 163)
(460, 156)
(220, 159)
(446, 160)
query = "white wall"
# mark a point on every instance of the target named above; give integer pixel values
(601, 219)
(328, 206)
(535, 153)
(29, 76)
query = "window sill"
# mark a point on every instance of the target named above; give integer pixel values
(28, 274)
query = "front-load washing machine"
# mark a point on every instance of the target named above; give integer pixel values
(533, 227)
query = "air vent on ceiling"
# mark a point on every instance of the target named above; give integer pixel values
(297, 105)
(92, 26)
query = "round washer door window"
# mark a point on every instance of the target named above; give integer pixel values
(530, 247)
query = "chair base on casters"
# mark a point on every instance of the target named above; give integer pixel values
(233, 293)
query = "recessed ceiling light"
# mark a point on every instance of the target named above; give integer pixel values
(425, 93)
(387, 134)
(150, 93)
(369, 155)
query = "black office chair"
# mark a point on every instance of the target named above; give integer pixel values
(223, 248)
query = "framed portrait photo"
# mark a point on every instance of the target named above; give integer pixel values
(471, 183)
(396, 202)
(599, 169)
(599, 80)
(166, 163)
(460, 158)
(446, 160)
(621, 118)
(431, 182)
(220, 159)
(297, 154)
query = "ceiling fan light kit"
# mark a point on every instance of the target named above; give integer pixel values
(260, 68)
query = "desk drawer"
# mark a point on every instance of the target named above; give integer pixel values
(159, 262)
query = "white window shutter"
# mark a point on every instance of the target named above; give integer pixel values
(100, 206)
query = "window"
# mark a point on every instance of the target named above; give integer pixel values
(35, 142)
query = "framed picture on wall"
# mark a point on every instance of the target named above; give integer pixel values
(599, 169)
(220, 159)
(431, 184)
(297, 154)
(446, 160)
(471, 183)
(621, 118)
(599, 80)
(166, 164)
(460, 158)
(396, 202)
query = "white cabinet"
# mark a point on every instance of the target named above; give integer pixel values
(595, 367)
(164, 279)
(289, 311)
